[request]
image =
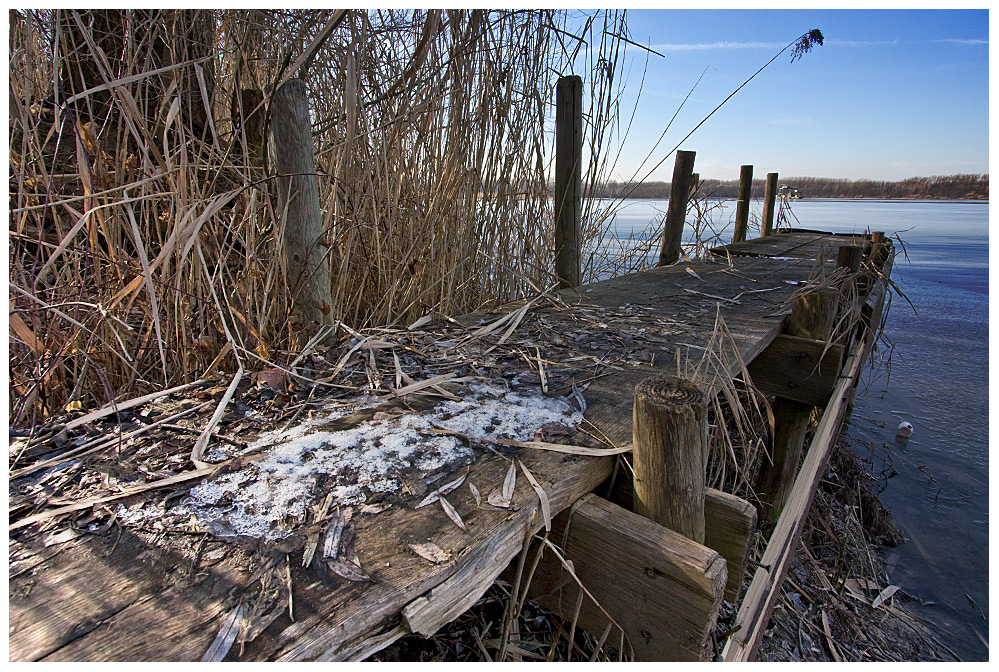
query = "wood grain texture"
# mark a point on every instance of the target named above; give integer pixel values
(676, 210)
(302, 234)
(729, 528)
(670, 448)
(663, 589)
(568, 178)
(177, 618)
(763, 592)
(812, 317)
(800, 369)
(764, 589)
(742, 204)
(769, 201)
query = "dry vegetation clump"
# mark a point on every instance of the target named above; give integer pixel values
(838, 603)
(144, 229)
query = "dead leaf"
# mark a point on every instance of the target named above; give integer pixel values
(443, 490)
(431, 552)
(61, 537)
(499, 501)
(883, 596)
(694, 273)
(374, 508)
(224, 640)
(275, 379)
(452, 513)
(331, 546)
(510, 482)
(546, 510)
(347, 570)
(475, 493)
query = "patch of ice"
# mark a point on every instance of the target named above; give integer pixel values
(271, 497)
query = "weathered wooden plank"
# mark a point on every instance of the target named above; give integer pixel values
(663, 589)
(73, 595)
(801, 369)
(339, 621)
(763, 591)
(729, 526)
(354, 620)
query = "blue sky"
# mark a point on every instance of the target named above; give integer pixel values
(891, 94)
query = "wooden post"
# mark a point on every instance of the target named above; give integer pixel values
(694, 179)
(742, 206)
(769, 200)
(568, 178)
(670, 433)
(849, 256)
(812, 317)
(676, 211)
(301, 232)
(878, 248)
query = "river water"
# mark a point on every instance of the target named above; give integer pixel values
(937, 380)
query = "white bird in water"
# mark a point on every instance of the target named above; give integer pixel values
(904, 431)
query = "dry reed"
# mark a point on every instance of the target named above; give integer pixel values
(144, 231)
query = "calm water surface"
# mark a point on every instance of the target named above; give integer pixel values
(938, 381)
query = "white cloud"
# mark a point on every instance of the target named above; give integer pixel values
(861, 43)
(954, 40)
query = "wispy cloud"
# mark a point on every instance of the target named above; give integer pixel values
(704, 46)
(957, 40)
(861, 43)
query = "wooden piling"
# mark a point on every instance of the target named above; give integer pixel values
(849, 256)
(769, 201)
(302, 234)
(568, 178)
(670, 434)
(742, 205)
(676, 211)
(812, 318)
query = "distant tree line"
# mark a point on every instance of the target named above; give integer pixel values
(973, 187)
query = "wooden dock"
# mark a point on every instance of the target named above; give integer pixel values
(114, 595)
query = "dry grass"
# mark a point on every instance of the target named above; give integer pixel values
(144, 231)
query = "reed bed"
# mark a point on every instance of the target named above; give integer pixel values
(144, 231)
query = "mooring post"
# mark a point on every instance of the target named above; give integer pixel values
(670, 435)
(301, 221)
(769, 200)
(813, 317)
(850, 256)
(568, 178)
(742, 205)
(676, 211)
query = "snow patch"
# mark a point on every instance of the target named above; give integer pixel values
(270, 498)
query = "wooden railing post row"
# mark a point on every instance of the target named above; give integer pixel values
(769, 201)
(676, 211)
(742, 205)
(568, 178)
